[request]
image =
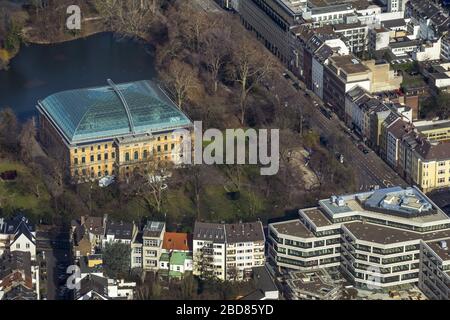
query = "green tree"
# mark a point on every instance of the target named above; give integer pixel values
(116, 260)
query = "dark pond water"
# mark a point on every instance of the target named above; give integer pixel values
(40, 70)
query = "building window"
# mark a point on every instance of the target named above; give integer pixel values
(75, 160)
(145, 154)
(172, 146)
(83, 149)
(92, 148)
(99, 157)
(127, 156)
(92, 158)
(83, 159)
(27, 246)
(113, 155)
(75, 151)
(106, 146)
(136, 155)
(106, 156)
(159, 148)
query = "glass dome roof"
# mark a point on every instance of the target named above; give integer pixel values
(90, 114)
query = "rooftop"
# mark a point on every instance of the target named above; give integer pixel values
(153, 229)
(438, 248)
(90, 114)
(387, 204)
(317, 217)
(177, 241)
(349, 64)
(379, 234)
(244, 232)
(293, 228)
(120, 230)
(209, 231)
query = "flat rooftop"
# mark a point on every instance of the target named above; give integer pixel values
(344, 204)
(312, 282)
(317, 217)
(443, 253)
(349, 64)
(379, 234)
(293, 228)
(387, 235)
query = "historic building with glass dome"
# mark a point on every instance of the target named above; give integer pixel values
(112, 130)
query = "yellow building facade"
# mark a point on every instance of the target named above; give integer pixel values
(113, 130)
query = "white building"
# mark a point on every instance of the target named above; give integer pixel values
(228, 251)
(374, 237)
(17, 234)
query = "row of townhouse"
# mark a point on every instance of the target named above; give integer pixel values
(396, 25)
(418, 150)
(151, 247)
(317, 42)
(378, 239)
(223, 251)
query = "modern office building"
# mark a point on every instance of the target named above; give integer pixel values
(374, 237)
(111, 130)
(272, 21)
(228, 251)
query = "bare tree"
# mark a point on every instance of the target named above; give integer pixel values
(181, 79)
(27, 139)
(217, 48)
(250, 66)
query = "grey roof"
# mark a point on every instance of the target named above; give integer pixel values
(153, 229)
(209, 231)
(244, 232)
(331, 9)
(120, 230)
(263, 279)
(394, 23)
(93, 283)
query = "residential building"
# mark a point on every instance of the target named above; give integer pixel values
(227, 251)
(354, 33)
(94, 287)
(17, 234)
(19, 276)
(152, 242)
(341, 74)
(119, 232)
(431, 19)
(175, 264)
(374, 237)
(111, 130)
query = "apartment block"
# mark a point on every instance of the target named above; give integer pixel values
(228, 251)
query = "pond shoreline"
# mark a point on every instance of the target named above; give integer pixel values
(83, 62)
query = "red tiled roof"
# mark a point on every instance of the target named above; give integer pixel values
(177, 241)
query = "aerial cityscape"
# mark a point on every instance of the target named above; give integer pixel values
(224, 150)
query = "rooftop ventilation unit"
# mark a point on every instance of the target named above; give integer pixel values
(340, 202)
(444, 244)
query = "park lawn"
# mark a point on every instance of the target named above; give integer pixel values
(16, 195)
